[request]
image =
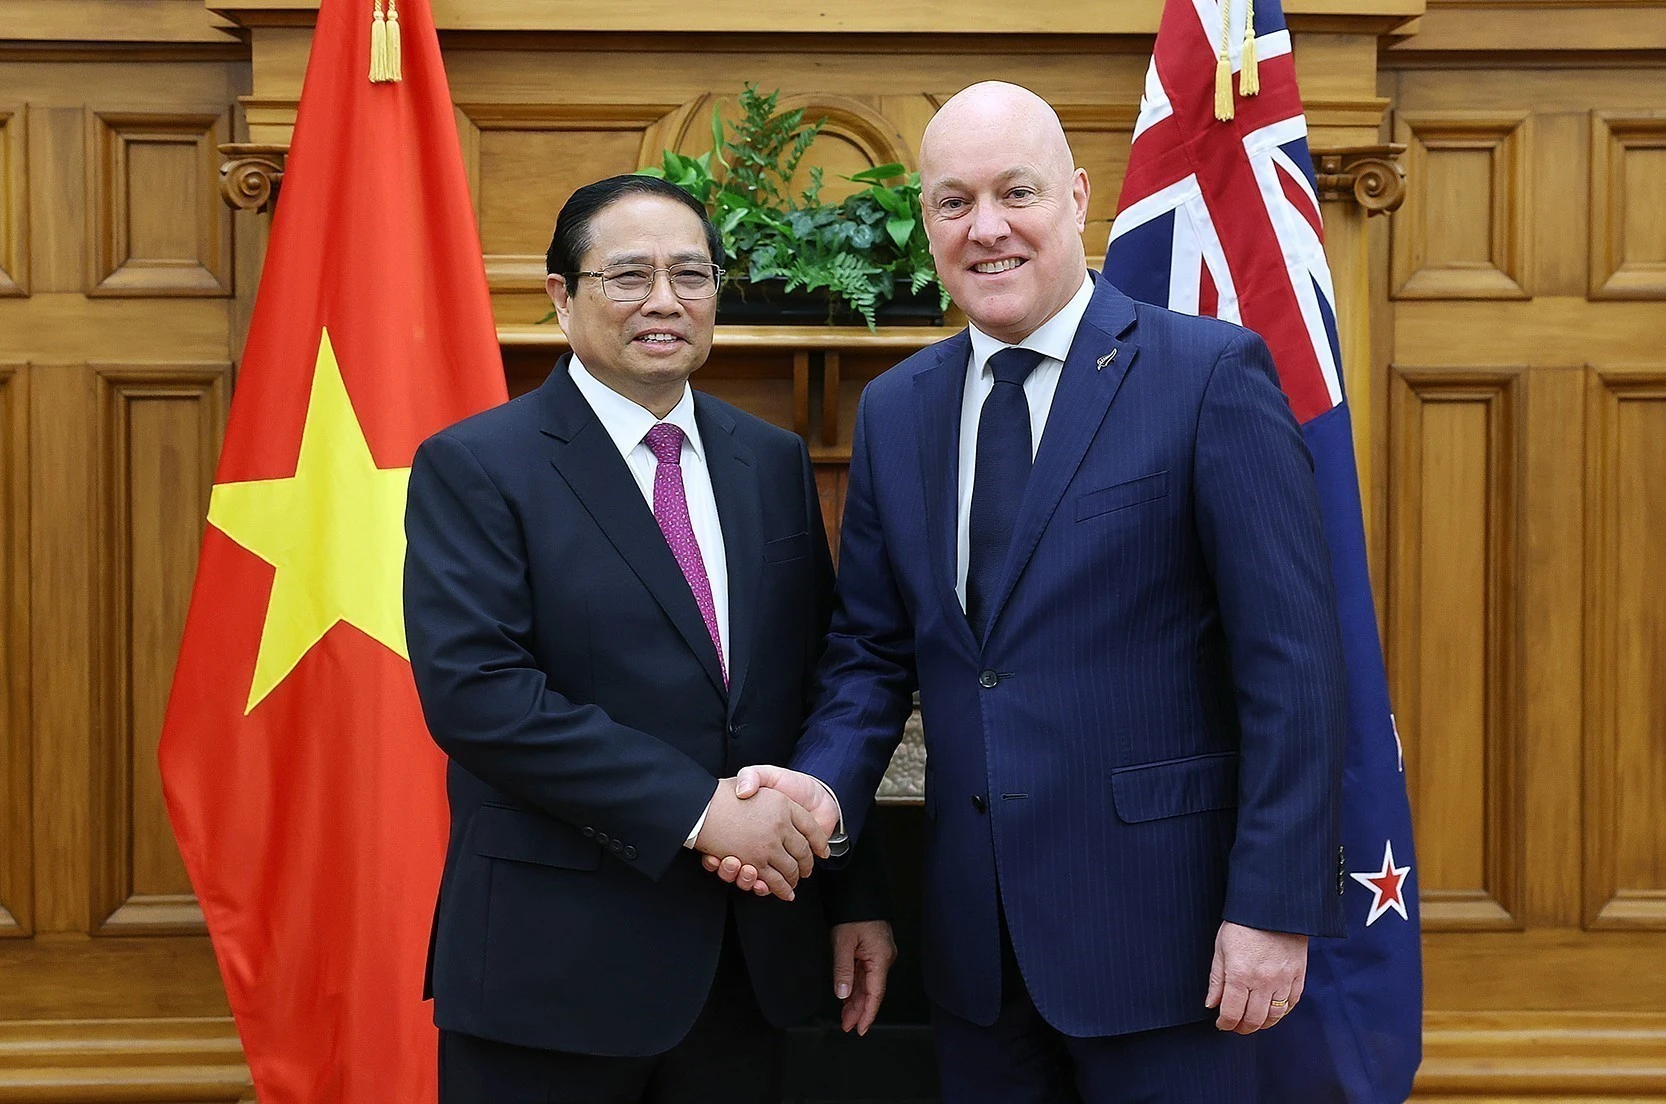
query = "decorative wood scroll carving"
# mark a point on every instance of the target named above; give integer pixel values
(1372, 175)
(251, 174)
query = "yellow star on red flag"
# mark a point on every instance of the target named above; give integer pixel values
(334, 532)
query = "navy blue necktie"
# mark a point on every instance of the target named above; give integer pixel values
(998, 479)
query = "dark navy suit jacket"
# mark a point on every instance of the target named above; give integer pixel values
(565, 669)
(1149, 740)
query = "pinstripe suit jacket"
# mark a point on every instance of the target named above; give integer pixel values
(1149, 739)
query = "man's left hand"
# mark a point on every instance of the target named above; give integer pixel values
(862, 957)
(1256, 977)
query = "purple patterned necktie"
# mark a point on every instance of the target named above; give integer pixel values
(665, 441)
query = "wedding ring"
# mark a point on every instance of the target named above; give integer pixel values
(1276, 1003)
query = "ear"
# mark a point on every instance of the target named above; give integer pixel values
(1079, 192)
(556, 287)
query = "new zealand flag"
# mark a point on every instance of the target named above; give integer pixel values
(1222, 218)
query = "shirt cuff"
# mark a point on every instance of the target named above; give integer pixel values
(838, 843)
(694, 833)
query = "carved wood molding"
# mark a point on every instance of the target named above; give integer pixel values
(251, 173)
(1561, 1055)
(1371, 175)
(1465, 231)
(152, 228)
(14, 190)
(114, 1060)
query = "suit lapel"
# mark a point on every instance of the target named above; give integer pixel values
(1093, 373)
(735, 486)
(588, 460)
(938, 393)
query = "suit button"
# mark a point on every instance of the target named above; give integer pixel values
(988, 679)
(630, 852)
(615, 846)
(979, 803)
(589, 832)
(601, 838)
(735, 730)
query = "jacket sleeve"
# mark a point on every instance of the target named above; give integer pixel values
(469, 627)
(1258, 521)
(855, 887)
(866, 679)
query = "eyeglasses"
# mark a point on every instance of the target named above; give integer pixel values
(629, 283)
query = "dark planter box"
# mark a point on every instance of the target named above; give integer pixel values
(767, 304)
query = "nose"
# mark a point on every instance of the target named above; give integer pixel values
(989, 225)
(661, 299)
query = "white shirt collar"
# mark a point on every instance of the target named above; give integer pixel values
(1051, 339)
(628, 423)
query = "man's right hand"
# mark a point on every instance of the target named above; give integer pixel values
(769, 832)
(806, 791)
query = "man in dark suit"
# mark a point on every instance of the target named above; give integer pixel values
(1086, 531)
(616, 591)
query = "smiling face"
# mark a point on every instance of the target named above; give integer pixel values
(645, 351)
(1004, 208)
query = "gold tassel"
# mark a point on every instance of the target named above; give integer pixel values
(1249, 76)
(396, 65)
(1223, 66)
(378, 46)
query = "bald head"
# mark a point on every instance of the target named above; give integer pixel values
(1005, 208)
(1007, 112)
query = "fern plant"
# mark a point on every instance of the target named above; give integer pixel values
(864, 252)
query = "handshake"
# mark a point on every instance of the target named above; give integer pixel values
(765, 828)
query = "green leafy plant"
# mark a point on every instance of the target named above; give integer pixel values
(863, 252)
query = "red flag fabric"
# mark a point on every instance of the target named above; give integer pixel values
(306, 795)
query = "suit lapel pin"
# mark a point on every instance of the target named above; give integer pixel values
(1106, 359)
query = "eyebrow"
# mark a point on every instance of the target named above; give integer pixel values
(1007, 176)
(682, 257)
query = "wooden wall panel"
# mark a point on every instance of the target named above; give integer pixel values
(58, 196)
(1452, 593)
(1551, 699)
(62, 435)
(156, 220)
(1463, 232)
(1628, 206)
(1625, 760)
(1100, 137)
(831, 480)
(15, 819)
(523, 161)
(159, 429)
(14, 197)
(754, 380)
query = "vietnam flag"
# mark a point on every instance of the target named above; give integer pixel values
(307, 797)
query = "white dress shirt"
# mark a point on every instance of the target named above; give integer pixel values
(1052, 340)
(628, 424)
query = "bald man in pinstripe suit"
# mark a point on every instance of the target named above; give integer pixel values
(1086, 531)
